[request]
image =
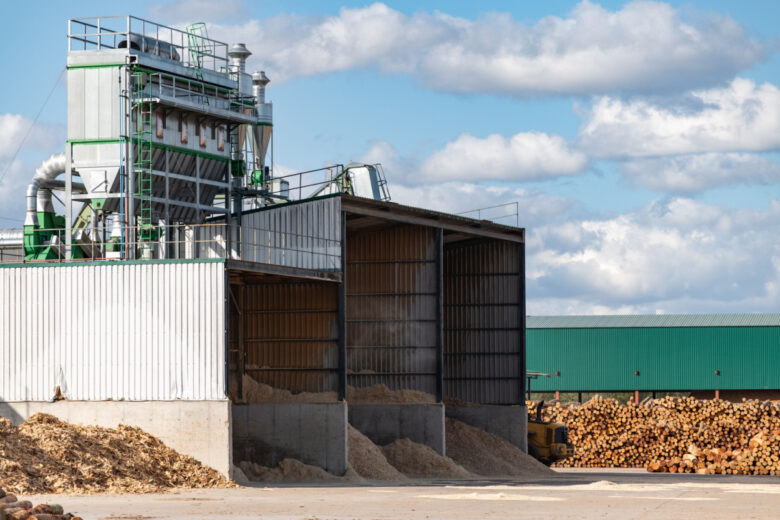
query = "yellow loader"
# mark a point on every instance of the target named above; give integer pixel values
(548, 441)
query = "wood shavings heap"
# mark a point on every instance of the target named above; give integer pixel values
(46, 455)
(368, 460)
(486, 454)
(421, 461)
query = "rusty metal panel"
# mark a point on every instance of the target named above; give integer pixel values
(482, 322)
(291, 335)
(391, 308)
(136, 331)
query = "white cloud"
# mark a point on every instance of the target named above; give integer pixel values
(685, 174)
(643, 47)
(525, 156)
(14, 128)
(534, 208)
(740, 117)
(15, 173)
(672, 256)
(188, 11)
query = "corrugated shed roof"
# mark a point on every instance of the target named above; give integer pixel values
(653, 320)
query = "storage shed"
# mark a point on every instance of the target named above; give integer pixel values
(657, 353)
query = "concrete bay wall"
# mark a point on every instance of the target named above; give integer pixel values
(385, 423)
(200, 429)
(314, 433)
(507, 422)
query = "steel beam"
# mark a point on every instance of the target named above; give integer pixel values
(342, 312)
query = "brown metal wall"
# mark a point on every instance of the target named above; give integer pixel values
(391, 308)
(482, 322)
(291, 335)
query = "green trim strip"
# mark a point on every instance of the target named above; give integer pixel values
(100, 66)
(92, 141)
(159, 146)
(82, 263)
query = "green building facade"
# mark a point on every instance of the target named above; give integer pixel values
(654, 353)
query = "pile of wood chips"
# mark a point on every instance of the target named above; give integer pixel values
(683, 435)
(46, 455)
(11, 508)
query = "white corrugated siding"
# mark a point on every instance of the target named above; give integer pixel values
(306, 235)
(301, 234)
(134, 332)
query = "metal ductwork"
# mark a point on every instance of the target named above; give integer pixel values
(11, 238)
(260, 136)
(39, 189)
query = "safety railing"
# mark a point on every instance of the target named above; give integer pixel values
(307, 184)
(500, 213)
(301, 249)
(118, 32)
(173, 88)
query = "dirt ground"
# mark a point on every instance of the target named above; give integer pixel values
(581, 494)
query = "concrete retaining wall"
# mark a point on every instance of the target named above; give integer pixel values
(314, 433)
(200, 429)
(508, 422)
(384, 423)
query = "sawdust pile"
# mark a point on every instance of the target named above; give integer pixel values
(46, 455)
(368, 460)
(486, 454)
(382, 394)
(290, 471)
(256, 392)
(420, 461)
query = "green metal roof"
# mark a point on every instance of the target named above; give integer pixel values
(653, 320)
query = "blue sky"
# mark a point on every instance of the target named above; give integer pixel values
(640, 139)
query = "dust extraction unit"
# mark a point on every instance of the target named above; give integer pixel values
(166, 131)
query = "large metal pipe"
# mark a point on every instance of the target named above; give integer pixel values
(47, 171)
(11, 238)
(259, 81)
(39, 189)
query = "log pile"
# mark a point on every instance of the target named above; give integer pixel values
(673, 435)
(11, 508)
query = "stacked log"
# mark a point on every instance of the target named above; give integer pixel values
(11, 508)
(673, 435)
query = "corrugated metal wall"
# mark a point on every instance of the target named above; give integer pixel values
(306, 235)
(676, 358)
(291, 335)
(482, 322)
(391, 308)
(134, 332)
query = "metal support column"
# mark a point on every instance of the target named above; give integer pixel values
(167, 230)
(241, 361)
(68, 201)
(198, 214)
(439, 315)
(226, 317)
(342, 317)
(521, 307)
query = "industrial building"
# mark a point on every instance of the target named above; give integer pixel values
(728, 355)
(182, 263)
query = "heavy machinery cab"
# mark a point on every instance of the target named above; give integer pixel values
(548, 442)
